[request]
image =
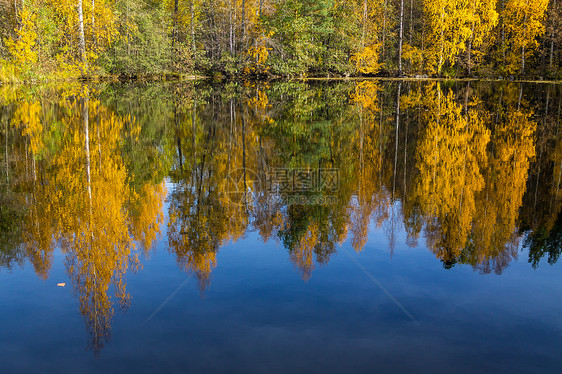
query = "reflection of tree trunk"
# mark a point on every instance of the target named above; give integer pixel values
(26, 160)
(537, 184)
(85, 118)
(547, 104)
(380, 138)
(396, 138)
(99, 140)
(6, 153)
(361, 156)
(228, 161)
(393, 218)
(244, 155)
(406, 146)
(193, 134)
(465, 148)
(558, 138)
(33, 166)
(435, 149)
(177, 124)
(180, 156)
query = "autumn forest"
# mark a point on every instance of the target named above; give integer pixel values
(61, 39)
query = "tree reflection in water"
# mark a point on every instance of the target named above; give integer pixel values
(472, 167)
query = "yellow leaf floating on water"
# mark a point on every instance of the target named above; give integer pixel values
(61, 284)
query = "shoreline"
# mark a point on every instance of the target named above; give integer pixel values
(196, 77)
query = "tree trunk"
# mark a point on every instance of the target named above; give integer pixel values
(503, 31)
(81, 41)
(411, 20)
(400, 39)
(470, 51)
(192, 9)
(441, 41)
(127, 20)
(384, 29)
(523, 48)
(551, 59)
(364, 24)
(243, 37)
(175, 31)
(230, 26)
(94, 37)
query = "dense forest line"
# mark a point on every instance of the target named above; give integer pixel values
(58, 39)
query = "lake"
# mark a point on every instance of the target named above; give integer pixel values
(320, 226)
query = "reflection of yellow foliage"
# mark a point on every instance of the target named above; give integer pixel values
(149, 215)
(259, 102)
(38, 232)
(302, 255)
(450, 154)
(557, 169)
(366, 94)
(202, 216)
(93, 193)
(495, 225)
(368, 140)
(28, 116)
(360, 225)
(80, 197)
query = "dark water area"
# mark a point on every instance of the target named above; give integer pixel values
(364, 226)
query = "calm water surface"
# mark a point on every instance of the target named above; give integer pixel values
(283, 227)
